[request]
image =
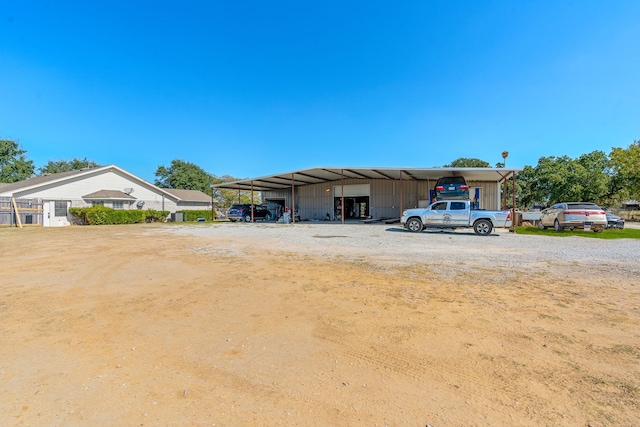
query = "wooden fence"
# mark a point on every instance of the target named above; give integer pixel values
(21, 212)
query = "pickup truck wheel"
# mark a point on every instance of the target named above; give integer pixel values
(483, 227)
(557, 227)
(247, 218)
(414, 225)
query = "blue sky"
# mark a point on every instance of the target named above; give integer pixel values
(253, 88)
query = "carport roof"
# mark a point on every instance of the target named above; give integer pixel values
(319, 175)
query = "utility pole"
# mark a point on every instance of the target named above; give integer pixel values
(505, 154)
(213, 215)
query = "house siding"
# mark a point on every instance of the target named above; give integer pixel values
(86, 184)
(192, 206)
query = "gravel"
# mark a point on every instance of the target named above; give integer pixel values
(391, 245)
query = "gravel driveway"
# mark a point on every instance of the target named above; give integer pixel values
(461, 249)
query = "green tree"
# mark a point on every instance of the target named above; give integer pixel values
(184, 175)
(189, 176)
(625, 163)
(67, 165)
(561, 179)
(594, 175)
(225, 198)
(528, 194)
(464, 162)
(14, 165)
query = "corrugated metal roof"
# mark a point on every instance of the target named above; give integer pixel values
(319, 175)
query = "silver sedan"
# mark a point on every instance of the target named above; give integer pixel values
(588, 216)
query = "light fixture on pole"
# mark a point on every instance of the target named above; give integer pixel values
(505, 154)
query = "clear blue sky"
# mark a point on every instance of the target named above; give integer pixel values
(250, 88)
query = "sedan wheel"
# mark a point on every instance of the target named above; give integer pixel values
(267, 217)
(540, 225)
(414, 225)
(557, 227)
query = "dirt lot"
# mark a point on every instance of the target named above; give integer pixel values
(140, 325)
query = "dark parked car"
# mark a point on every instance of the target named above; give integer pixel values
(243, 213)
(452, 187)
(614, 221)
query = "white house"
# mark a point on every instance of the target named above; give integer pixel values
(109, 186)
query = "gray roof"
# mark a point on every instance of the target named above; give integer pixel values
(56, 178)
(189, 195)
(108, 195)
(318, 175)
(41, 179)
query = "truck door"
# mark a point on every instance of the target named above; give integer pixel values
(437, 214)
(459, 212)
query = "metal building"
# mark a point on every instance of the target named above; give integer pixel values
(339, 193)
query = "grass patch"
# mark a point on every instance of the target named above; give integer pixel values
(626, 387)
(594, 380)
(547, 316)
(622, 348)
(609, 234)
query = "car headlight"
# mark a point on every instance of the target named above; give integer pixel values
(404, 213)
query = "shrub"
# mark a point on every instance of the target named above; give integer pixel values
(156, 216)
(80, 213)
(99, 215)
(194, 215)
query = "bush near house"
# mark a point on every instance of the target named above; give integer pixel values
(195, 214)
(156, 216)
(99, 215)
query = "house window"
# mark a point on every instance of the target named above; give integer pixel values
(97, 203)
(117, 204)
(61, 208)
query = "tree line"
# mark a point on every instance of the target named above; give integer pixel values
(605, 179)
(16, 166)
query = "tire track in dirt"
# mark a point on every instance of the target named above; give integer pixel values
(499, 379)
(397, 360)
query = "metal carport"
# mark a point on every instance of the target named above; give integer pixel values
(322, 175)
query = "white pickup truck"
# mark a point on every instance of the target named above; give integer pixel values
(454, 214)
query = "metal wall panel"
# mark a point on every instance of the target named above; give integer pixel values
(314, 202)
(490, 195)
